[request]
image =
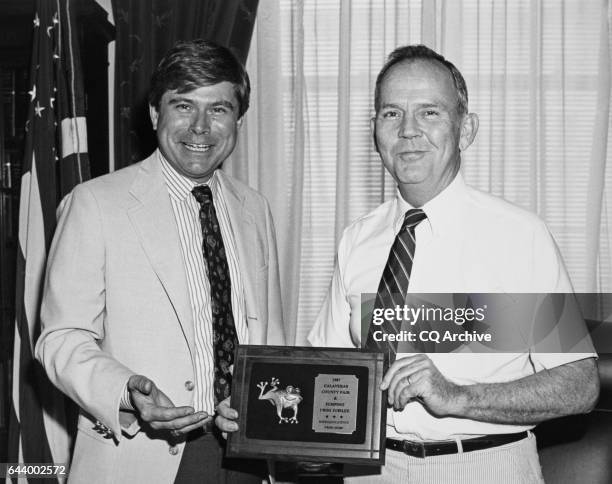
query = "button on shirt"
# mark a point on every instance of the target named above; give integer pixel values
(186, 212)
(470, 242)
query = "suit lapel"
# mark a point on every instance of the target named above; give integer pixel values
(154, 222)
(245, 236)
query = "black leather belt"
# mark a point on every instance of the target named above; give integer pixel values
(425, 449)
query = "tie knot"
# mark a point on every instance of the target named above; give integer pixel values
(202, 194)
(413, 218)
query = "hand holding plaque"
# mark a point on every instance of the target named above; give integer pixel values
(226, 417)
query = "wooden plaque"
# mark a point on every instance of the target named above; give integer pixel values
(309, 404)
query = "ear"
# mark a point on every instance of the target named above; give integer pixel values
(239, 122)
(154, 115)
(469, 128)
(373, 132)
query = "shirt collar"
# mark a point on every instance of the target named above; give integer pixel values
(179, 186)
(443, 211)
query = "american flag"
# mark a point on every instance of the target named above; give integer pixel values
(55, 160)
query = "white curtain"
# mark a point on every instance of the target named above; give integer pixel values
(538, 74)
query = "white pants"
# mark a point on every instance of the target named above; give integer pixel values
(514, 463)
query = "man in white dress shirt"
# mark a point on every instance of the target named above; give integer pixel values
(461, 418)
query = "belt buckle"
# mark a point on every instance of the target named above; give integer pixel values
(416, 449)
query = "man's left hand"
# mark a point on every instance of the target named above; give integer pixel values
(416, 377)
(226, 417)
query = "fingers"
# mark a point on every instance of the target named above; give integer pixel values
(140, 383)
(153, 413)
(417, 377)
(407, 390)
(407, 379)
(185, 427)
(397, 377)
(402, 391)
(199, 424)
(403, 379)
(398, 366)
(224, 410)
(144, 392)
(155, 408)
(180, 422)
(226, 417)
(225, 424)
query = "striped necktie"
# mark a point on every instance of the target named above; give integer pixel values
(393, 284)
(224, 330)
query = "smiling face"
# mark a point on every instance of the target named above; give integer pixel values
(197, 130)
(418, 131)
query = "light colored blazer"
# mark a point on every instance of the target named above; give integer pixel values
(116, 303)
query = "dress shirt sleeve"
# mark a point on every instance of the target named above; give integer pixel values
(550, 276)
(127, 415)
(332, 326)
(548, 270)
(126, 400)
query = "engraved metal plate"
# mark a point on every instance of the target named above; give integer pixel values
(335, 404)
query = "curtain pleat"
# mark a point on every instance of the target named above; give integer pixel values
(598, 159)
(343, 125)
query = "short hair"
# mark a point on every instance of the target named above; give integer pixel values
(192, 64)
(412, 53)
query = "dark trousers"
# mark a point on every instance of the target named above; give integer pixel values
(203, 461)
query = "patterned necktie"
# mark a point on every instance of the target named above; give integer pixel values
(393, 284)
(224, 330)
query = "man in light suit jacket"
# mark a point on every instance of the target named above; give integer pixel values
(139, 318)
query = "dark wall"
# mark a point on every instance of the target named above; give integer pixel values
(95, 32)
(15, 46)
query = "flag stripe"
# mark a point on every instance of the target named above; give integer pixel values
(74, 137)
(32, 245)
(81, 135)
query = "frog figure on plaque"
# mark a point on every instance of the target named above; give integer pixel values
(290, 397)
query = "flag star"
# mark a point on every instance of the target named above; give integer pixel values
(39, 109)
(123, 15)
(55, 56)
(32, 93)
(36, 21)
(55, 19)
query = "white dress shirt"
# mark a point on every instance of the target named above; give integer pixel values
(186, 212)
(471, 242)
